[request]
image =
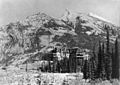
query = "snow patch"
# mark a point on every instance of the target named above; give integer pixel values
(98, 17)
(89, 33)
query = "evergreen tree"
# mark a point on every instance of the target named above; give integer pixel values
(108, 67)
(85, 70)
(113, 63)
(108, 61)
(103, 62)
(89, 69)
(95, 60)
(108, 40)
(93, 68)
(115, 60)
(99, 67)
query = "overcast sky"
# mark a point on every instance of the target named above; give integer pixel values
(12, 10)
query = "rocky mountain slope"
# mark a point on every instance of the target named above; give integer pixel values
(37, 34)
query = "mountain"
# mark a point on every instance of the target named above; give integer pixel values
(98, 17)
(36, 35)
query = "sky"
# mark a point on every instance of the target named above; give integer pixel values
(14, 10)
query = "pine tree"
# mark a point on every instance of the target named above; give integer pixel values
(89, 73)
(99, 67)
(115, 60)
(108, 61)
(93, 68)
(103, 62)
(113, 63)
(108, 67)
(108, 42)
(94, 61)
(85, 70)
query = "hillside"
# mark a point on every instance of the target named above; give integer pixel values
(38, 33)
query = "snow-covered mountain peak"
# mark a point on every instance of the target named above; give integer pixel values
(98, 17)
(69, 15)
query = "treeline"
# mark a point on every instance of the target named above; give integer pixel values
(105, 63)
